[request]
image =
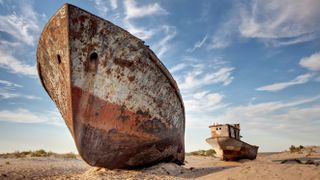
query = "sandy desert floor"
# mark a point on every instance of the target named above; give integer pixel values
(284, 165)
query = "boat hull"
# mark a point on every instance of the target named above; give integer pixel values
(121, 105)
(231, 149)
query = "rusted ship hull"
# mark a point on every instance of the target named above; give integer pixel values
(231, 149)
(121, 105)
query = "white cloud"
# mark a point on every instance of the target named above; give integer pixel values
(163, 45)
(133, 11)
(312, 62)
(224, 35)
(281, 22)
(7, 89)
(301, 79)
(274, 22)
(23, 26)
(203, 101)
(198, 44)
(4, 94)
(9, 85)
(108, 9)
(7, 95)
(114, 4)
(22, 115)
(275, 115)
(198, 78)
(16, 66)
(177, 67)
(31, 97)
(219, 42)
(101, 6)
(140, 32)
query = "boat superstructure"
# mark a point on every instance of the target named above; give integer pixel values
(225, 140)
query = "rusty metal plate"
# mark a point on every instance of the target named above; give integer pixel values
(121, 105)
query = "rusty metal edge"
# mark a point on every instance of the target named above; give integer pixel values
(68, 59)
(40, 37)
(70, 72)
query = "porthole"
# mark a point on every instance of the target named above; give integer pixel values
(93, 56)
(59, 59)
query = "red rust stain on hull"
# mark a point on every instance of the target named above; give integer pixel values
(109, 135)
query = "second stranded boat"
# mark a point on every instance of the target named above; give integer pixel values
(225, 140)
(120, 103)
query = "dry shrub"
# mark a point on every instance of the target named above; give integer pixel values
(209, 152)
(294, 149)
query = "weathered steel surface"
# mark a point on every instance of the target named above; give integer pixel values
(225, 140)
(232, 149)
(122, 106)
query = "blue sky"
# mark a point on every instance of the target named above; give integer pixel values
(251, 62)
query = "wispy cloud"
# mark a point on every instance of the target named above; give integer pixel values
(197, 73)
(301, 79)
(275, 115)
(7, 91)
(23, 26)
(133, 11)
(276, 23)
(9, 85)
(114, 4)
(15, 66)
(164, 44)
(224, 36)
(21, 115)
(199, 78)
(196, 79)
(140, 32)
(6, 88)
(177, 67)
(281, 22)
(103, 7)
(198, 44)
(204, 101)
(312, 62)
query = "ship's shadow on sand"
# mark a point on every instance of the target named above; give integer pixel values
(302, 160)
(162, 170)
(169, 169)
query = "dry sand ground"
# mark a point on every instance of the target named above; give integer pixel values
(266, 166)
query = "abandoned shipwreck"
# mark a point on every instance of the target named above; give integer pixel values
(225, 140)
(120, 103)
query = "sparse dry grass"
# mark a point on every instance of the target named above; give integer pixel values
(294, 149)
(37, 153)
(209, 152)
